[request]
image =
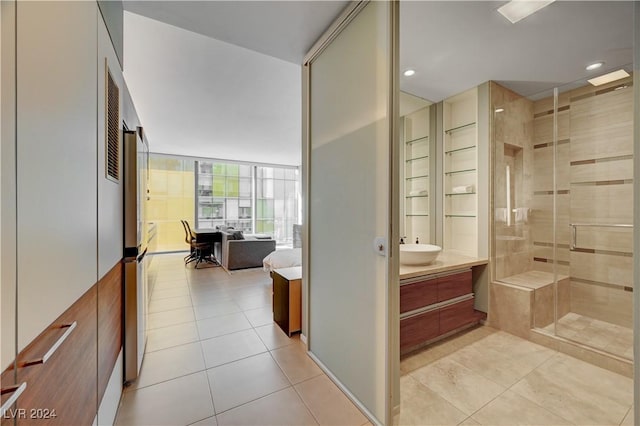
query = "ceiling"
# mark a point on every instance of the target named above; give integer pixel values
(223, 80)
(456, 45)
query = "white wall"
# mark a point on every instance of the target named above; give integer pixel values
(110, 197)
(7, 187)
(57, 194)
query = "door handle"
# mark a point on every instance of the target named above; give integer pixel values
(17, 391)
(54, 347)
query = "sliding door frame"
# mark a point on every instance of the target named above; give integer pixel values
(392, 315)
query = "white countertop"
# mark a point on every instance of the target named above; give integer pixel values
(448, 260)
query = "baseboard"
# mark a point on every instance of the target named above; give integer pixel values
(345, 390)
(303, 339)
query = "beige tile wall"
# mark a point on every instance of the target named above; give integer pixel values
(595, 171)
(512, 134)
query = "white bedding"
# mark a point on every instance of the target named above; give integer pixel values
(285, 258)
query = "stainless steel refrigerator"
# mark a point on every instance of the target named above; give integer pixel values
(135, 297)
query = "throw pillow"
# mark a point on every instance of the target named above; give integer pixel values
(237, 235)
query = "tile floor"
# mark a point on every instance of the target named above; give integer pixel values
(490, 377)
(602, 335)
(215, 357)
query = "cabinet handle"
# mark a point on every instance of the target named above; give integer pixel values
(53, 348)
(17, 391)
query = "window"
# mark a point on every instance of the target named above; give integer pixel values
(209, 193)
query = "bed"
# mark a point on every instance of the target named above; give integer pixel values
(284, 258)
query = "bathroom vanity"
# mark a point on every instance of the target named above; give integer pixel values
(437, 300)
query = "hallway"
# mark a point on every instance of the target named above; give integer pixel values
(214, 356)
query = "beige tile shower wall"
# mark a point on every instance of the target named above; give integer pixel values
(602, 193)
(512, 134)
(543, 181)
(610, 304)
(602, 125)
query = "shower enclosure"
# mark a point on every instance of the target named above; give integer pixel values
(563, 208)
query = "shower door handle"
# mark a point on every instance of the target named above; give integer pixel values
(574, 227)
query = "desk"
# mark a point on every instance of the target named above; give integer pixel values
(287, 299)
(212, 237)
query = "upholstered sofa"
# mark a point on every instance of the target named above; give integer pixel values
(244, 253)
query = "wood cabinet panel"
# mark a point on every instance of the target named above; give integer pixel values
(287, 300)
(109, 325)
(418, 295)
(453, 286)
(456, 316)
(67, 382)
(418, 329)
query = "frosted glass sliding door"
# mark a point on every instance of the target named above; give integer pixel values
(351, 202)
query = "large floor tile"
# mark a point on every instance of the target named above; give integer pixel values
(169, 292)
(577, 391)
(327, 403)
(231, 347)
(278, 409)
(160, 305)
(628, 420)
(260, 316)
(420, 405)
(215, 309)
(170, 283)
(170, 363)
(172, 317)
(502, 358)
(273, 336)
(174, 335)
(465, 389)
(511, 409)
(445, 347)
(242, 381)
(177, 402)
(295, 363)
(225, 324)
(209, 421)
(253, 302)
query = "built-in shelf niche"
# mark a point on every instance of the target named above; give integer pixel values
(417, 182)
(460, 176)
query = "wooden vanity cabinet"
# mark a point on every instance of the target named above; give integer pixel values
(433, 306)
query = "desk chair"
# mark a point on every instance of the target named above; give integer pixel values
(203, 250)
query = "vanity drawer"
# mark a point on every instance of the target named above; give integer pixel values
(455, 285)
(418, 295)
(457, 315)
(418, 329)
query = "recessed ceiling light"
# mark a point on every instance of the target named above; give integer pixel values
(516, 10)
(594, 66)
(409, 72)
(608, 78)
(499, 109)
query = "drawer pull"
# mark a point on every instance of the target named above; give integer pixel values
(53, 348)
(17, 391)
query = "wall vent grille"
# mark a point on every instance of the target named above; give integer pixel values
(113, 129)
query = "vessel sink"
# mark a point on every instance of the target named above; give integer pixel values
(418, 254)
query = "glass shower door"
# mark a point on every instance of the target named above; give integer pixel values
(593, 215)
